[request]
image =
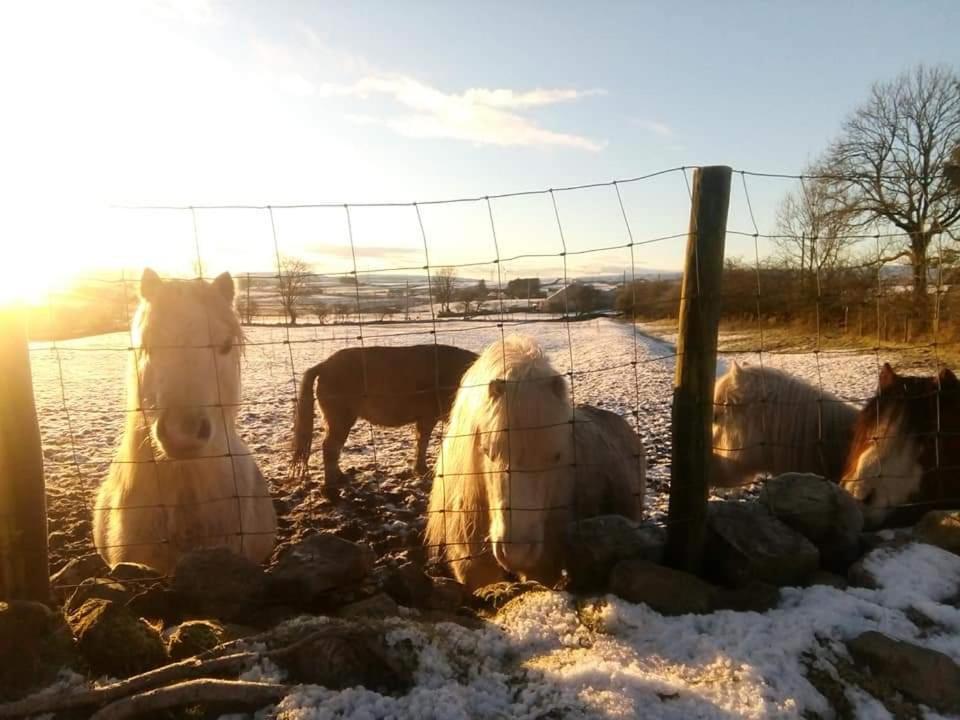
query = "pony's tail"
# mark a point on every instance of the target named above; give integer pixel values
(303, 425)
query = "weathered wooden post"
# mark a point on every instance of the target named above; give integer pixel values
(697, 368)
(24, 570)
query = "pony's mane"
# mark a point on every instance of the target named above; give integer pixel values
(214, 304)
(136, 439)
(789, 415)
(477, 420)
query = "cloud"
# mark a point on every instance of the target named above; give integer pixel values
(381, 252)
(657, 128)
(478, 115)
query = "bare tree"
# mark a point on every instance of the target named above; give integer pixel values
(321, 310)
(292, 285)
(889, 163)
(444, 283)
(812, 231)
(246, 305)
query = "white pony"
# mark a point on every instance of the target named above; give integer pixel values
(182, 478)
(519, 462)
(767, 422)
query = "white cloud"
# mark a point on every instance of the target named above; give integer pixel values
(657, 128)
(478, 115)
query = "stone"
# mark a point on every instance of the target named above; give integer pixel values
(408, 585)
(755, 596)
(218, 583)
(595, 545)
(447, 594)
(377, 606)
(134, 572)
(821, 511)
(940, 528)
(35, 643)
(157, 603)
(64, 582)
(311, 568)
(668, 591)
(822, 577)
(746, 543)
(103, 588)
(194, 637)
(927, 676)
(114, 641)
(496, 596)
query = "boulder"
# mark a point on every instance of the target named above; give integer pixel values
(940, 528)
(313, 567)
(755, 596)
(114, 641)
(668, 591)
(157, 603)
(595, 545)
(102, 588)
(822, 577)
(746, 543)
(65, 581)
(821, 511)
(377, 606)
(927, 676)
(194, 637)
(215, 582)
(35, 643)
(134, 572)
(408, 585)
(447, 594)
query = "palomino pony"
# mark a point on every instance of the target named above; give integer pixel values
(519, 463)
(182, 477)
(389, 386)
(767, 422)
(905, 455)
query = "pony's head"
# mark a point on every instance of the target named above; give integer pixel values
(905, 442)
(525, 443)
(736, 411)
(186, 339)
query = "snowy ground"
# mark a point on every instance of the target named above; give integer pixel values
(547, 658)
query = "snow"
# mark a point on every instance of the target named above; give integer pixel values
(628, 661)
(544, 657)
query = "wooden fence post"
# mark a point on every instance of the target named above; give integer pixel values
(24, 568)
(692, 426)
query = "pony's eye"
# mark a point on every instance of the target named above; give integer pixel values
(226, 346)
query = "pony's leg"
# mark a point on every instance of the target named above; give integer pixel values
(424, 431)
(337, 431)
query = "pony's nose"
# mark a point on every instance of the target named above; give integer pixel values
(183, 431)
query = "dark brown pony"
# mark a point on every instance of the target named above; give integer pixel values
(904, 458)
(388, 386)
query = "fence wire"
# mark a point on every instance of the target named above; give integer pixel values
(771, 413)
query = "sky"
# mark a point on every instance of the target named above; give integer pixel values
(112, 104)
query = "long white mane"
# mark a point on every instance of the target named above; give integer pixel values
(182, 478)
(769, 422)
(513, 426)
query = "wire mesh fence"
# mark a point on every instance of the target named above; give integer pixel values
(461, 272)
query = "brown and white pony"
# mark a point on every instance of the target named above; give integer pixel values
(767, 422)
(518, 463)
(182, 478)
(905, 455)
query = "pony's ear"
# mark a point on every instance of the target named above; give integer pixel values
(223, 284)
(887, 376)
(149, 284)
(948, 380)
(496, 388)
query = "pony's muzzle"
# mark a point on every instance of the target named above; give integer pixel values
(183, 433)
(517, 557)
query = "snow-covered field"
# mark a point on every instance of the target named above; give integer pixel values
(546, 659)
